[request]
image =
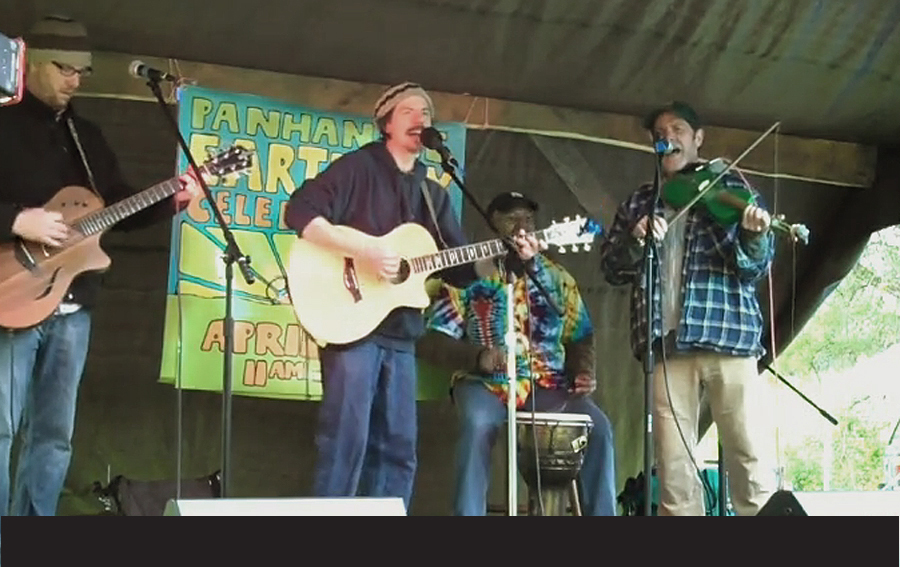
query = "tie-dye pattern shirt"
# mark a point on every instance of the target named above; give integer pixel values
(478, 313)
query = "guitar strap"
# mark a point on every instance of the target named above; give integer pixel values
(81, 153)
(427, 194)
(67, 306)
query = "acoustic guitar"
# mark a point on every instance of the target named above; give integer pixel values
(35, 277)
(337, 302)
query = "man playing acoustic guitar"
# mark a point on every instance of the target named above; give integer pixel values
(707, 327)
(366, 438)
(41, 365)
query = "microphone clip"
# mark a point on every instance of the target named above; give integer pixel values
(447, 157)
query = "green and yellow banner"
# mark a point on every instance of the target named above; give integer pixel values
(273, 356)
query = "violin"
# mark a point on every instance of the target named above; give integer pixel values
(698, 183)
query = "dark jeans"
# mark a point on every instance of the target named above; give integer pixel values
(40, 370)
(482, 414)
(366, 436)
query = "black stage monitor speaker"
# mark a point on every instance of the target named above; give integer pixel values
(782, 503)
(833, 503)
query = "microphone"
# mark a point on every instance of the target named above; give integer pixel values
(663, 147)
(432, 140)
(140, 70)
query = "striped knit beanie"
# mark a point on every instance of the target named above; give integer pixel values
(393, 95)
(60, 39)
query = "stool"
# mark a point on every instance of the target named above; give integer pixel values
(551, 446)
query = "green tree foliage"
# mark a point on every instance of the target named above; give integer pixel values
(858, 456)
(858, 452)
(860, 318)
(803, 465)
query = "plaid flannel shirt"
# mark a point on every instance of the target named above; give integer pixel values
(721, 266)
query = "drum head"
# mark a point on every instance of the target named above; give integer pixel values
(545, 417)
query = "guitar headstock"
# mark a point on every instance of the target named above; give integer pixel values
(572, 232)
(234, 159)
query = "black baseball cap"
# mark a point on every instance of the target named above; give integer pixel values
(680, 109)
(505, 202)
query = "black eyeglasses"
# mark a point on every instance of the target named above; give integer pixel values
(70, 71)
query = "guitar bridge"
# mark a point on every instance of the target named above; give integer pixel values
(350, 281)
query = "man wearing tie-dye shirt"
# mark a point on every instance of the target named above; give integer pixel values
(466, 331)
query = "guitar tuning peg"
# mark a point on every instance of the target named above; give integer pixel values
(565, 219)
(586, 247)
(562, 249)
(574, 248)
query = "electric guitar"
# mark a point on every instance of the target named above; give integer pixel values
(34, 277)
(336, 302)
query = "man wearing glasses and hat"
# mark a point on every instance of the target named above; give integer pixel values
(45, 146)
(555, 353)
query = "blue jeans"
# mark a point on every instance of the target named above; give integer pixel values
(40, 370)
(482, 414)
(366, 438)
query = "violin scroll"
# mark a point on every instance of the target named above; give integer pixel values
(795, 231)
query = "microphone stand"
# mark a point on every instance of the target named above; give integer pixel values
(650, 261)
(822, 412)
(232, 255)
(511, 259)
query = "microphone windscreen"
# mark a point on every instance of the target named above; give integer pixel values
(134, 68)
(431, 138)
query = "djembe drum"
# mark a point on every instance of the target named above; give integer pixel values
(550, 454)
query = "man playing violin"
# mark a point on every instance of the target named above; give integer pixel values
(707, 320)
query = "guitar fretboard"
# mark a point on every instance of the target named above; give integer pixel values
(108, 216)
(462, 254)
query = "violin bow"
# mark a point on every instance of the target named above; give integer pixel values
(703, 191)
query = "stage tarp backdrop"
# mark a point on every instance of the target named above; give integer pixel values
(273, 356)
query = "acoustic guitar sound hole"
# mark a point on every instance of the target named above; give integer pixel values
(402, 273)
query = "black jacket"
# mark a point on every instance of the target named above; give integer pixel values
(38, 157)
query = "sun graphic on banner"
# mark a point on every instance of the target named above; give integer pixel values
(202, 272)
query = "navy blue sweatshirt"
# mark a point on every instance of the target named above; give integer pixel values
(365, 190)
